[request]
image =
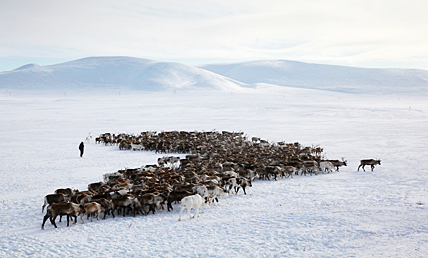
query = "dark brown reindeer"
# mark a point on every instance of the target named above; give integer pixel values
(68, 208)
(371, 162)
(66, 191)
(176, 196)
(54, 198)
(338, 163)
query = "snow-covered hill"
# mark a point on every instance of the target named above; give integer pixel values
(325, 77)
(128, 73)
(115, 72)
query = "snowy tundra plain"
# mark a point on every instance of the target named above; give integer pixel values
(343, 214)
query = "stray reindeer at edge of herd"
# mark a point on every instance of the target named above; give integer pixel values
(216, 165)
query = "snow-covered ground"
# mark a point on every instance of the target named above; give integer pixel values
(346, 214)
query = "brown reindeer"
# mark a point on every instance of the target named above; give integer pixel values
(107, 206)
(91, 209)
(152, 200)
(289, 171)
(68, 208)
(338, 163)
(122, 203)
(176, 196)
(66, 191)
(80, 198)
(95, 186)
(371, 162)
(54, 198)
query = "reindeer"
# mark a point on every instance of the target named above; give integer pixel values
(192, 201)
(176, 196)
(55, 198)
(91, 209)
(68, 208)
(338, 163)
(326, 166)
(289, 171)
(107, 206)
(88, 138)
(371, 162)
(237, 183)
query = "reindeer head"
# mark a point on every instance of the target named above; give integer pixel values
(224, 193)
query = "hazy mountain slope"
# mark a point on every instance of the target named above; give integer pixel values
(115, 72)
(325, 77)
(130, 73)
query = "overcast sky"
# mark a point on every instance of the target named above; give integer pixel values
(363, 33)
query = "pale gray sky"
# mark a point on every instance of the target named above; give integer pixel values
(364, 33)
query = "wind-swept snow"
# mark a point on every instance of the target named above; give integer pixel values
(345, 214)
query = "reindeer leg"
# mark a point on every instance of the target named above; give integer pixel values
(190, 215)
(53, 221)
(44, 220)
(181, 210)
(188, 212)
(144, 210)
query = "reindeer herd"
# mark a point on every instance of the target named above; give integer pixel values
(216, 165)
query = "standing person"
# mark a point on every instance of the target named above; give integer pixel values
(81, 147)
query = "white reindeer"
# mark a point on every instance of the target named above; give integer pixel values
(192, 201)
(88, 138)
(326, 166)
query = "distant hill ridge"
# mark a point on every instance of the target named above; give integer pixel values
(325, 77)
(149, 75)
(116, 72)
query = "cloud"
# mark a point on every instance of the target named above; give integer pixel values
(347, 32)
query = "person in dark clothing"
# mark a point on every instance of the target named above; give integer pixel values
(81, 147)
